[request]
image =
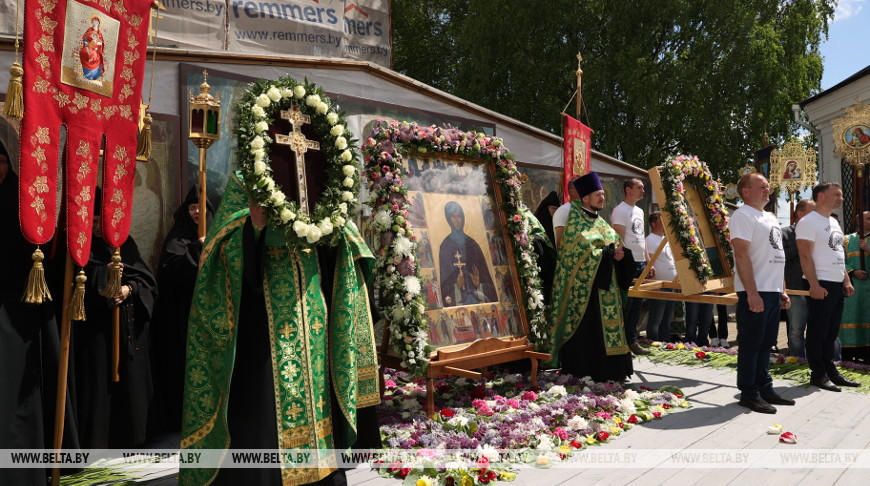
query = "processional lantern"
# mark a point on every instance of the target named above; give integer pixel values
(794, 169)
(204, 130)
(852, 144)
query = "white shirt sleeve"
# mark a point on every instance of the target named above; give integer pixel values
(560, 217)
(620, 216)
(804, 230)
(740, 226)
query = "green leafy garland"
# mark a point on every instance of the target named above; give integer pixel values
(674, 172)
(260, 105)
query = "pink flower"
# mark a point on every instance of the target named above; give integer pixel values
(517, 218)
(389, 384)
(513, 402)
(530, 396)
(478, 403)
(560, 433)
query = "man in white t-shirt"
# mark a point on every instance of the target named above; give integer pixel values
(820, 246)
(661, 312)
(560, 216)
(759, 262)
(627, 219)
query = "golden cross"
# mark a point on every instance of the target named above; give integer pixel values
(320, 403)
(286, 330)
(317, 326)
(299, 145)
(293, 411)
(458, 263)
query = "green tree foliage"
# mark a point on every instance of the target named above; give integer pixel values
(660, 77)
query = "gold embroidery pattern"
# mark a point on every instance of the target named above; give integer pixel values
(62, 99)
(48, 5)
(132, 42)
(126, 112)
(127, 73)
(135, 21)
(41, 135)
(130, 57)
(84, 151)
(117, 215)
(96, 108)
(118, 197)
(46, 43)
(80, 100)
(41, 85)
(125, 92)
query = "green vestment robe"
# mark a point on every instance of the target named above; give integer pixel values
(855, 324)
(313, 349)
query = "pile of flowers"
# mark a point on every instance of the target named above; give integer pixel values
(688, 169)
(397, 269)
(257, 108)
(544, 424)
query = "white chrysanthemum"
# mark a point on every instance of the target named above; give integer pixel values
(339, 221)
(346, 195)
(403, 246)
(341, 143)
(557, 391)
(631, 394)
(399, 313)
(577, 422)
(263, 101)
(627, 406)
(336, 130)
(347, 182)
(346, 156)
(261, 127)
(259, 154)
(545, 442)
(278, 197)
(457, 421)
(348, 170)
(383, 219)
(489, 452)
(286, 93)
(258, 142)
(299, 92)
(342, 207)
(274, 93)
(259, 168)
(287, 215)
(258, 111)
(312, 100)
(321, 108)
(325, 226)
(412, 285)
(314, 233)
(332, 118)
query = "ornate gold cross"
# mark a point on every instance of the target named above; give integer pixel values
(294, 411)
(299, 145)
(287, 330)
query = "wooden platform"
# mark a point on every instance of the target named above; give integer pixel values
(821, 420)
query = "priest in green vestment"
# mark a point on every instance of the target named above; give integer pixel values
(587, 337)
(855, 324)
(280, 350)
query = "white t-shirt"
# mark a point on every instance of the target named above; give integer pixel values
(828, 255)
(560, 217)
(631, 217)
(761, 229)
(664, 264)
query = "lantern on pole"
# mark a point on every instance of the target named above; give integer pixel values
(205, 129)
(852, 144)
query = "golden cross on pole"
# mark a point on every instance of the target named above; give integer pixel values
(299, 145)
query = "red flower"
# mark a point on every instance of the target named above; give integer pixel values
(487, 476)
(395, 466)
(669, 346)
(633, 419)
(447, 413)
(678, 395)
(449, 481)
(665, 406)
(478, 392)
(404, 472)
(575, 444)
(483, 463)
(657, 414)
(602, 436)
(701, 355)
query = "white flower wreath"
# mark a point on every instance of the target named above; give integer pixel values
(254, 112)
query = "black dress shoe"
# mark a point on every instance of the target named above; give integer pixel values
(757, 405)
(842, 381)
(824, 384)
(777, 399)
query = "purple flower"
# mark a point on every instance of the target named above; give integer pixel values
(406, 268)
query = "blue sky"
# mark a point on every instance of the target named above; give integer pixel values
(847, 49)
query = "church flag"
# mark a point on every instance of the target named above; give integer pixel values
(576, 151)
(84, 61)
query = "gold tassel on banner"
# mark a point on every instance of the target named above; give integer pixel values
(113, 282)
(36, 291)
(77, 303)
(143, 145)
(15, 92)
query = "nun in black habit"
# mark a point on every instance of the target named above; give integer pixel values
(176, 279)
(113, 415)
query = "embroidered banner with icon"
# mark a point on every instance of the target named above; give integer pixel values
(576, 151)
(83, 65)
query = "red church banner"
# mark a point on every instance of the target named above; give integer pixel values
(84, 62)
(576, 151)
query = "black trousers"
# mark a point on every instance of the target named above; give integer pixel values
(823, 326)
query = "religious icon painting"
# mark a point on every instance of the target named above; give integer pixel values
(424, 250)
(793, 170)
(90, 43)
(417, 211)
(857, 136)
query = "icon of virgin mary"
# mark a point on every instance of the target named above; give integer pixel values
(91, 52)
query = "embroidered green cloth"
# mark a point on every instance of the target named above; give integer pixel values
(313, 347)
(583, 244)
(855, 324)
